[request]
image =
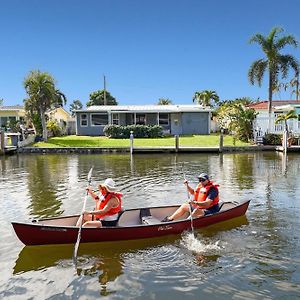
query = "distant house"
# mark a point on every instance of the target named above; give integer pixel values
(11, 113)
(174, 119)
(278, 107)
(63, 119)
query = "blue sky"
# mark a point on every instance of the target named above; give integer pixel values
(146, 49)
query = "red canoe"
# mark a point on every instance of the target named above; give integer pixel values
(138, 223)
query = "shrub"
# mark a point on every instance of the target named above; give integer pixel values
(272, 139)
(139, 131)
(54, 128)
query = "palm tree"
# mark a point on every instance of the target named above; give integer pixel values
(294, 83)
(43, 95)
(285, 117)
(274, 62)
(164, 101)
(206, 97)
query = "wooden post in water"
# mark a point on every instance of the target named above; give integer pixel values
(221, 140)
(2, 144)
(176, 143)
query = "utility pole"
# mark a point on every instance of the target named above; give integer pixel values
(104, 94)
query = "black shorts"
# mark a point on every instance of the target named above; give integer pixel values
(212, 210)
(108, 223)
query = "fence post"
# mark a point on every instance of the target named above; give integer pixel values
(221, 140)
(176, 143)
(131, 142)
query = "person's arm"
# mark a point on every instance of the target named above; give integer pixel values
(211, 195)
(112, 203)
(91, 192)
(191, 190)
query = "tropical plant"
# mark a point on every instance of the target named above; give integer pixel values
(75, 105)
(274, 62)
(164, 101)
(97, 98)
(206, 98)
(43, 95)
(54, 128)
(285, 117)
(235, 117)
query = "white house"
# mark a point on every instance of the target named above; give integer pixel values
(261, 123)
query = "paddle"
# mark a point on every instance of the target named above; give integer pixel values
(188, 194)
(79, 230)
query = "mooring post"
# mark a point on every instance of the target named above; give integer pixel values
(2, 137)
(221, 140)
(176, 142)
(131, 142)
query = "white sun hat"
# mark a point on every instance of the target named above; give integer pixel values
(109, 184)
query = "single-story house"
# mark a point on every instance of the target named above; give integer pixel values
(175, 119)
(63, 118)
(11, 113)
(261, 122)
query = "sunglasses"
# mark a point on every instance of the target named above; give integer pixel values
(202, 179)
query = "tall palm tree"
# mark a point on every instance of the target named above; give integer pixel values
(274, 62)
(206, 97)
(43, 95)
(164, 101)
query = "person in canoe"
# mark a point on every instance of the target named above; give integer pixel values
(108, 206)
(205, 201)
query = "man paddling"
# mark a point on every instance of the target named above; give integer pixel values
(205, 201)
(108, 206)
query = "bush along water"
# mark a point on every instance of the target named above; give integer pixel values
(272, 139)
(139, 131)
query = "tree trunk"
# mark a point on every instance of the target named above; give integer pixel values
(270, 98)
(44, 126)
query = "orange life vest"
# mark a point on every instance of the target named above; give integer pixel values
(100, 204)
(200, 194)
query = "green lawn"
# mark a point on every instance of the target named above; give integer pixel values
(186, 141)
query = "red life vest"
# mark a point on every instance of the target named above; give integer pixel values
(100, 204)
(200, 194)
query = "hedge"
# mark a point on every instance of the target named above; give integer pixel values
(139, 131)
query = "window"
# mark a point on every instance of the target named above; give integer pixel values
(140, 119)
(115, 119)
(163, 119)
(83, 120)
(99, 119)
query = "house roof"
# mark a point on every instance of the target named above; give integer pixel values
(146, 108)
(12, 108)
(263, 105)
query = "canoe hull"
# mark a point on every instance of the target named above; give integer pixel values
(40, 234)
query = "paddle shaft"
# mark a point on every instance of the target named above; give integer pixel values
(190, 209)
(81, 221)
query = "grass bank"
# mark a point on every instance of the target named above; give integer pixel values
(104, 142)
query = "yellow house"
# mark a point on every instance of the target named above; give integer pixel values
(63, 118)
(11, 113)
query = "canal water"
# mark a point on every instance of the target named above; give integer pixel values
(252, 257)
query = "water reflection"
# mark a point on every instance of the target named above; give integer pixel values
(104, 260)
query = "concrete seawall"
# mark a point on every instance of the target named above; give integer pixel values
(145, 149)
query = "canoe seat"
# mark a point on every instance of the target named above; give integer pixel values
(226, 205)
(147, 218)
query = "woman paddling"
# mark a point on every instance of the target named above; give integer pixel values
(108, 206)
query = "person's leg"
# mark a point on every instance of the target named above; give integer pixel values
(198, 213)
(92, 224)
(180, 211)
(85, 219)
